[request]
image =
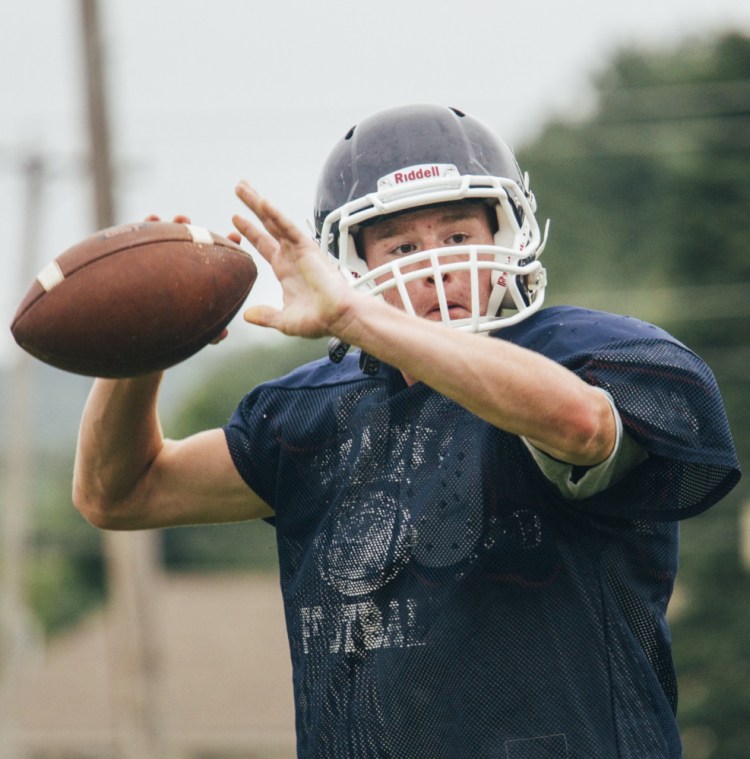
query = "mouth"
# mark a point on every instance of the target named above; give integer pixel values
(455, 311)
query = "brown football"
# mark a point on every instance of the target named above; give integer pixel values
(133, 299)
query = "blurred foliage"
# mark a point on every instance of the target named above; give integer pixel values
(710, 638)
(649, 197)
(65, 568)
(652, 188)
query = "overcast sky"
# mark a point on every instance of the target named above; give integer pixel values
(205, 92)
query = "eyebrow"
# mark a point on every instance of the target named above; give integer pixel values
(399, 225)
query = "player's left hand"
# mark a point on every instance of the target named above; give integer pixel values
(316, 296)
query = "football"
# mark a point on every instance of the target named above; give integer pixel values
(133, 299)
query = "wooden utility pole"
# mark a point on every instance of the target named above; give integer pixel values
(100, 154)
(131, 558)
(744, 535)
(17, 633)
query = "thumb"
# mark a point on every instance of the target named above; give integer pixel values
(263, 316)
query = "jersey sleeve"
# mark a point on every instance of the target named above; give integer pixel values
(576, 483)
(667, 398)
(670, 405)
(278, 419)
(253, 444)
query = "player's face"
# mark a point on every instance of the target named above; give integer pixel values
(427, 229)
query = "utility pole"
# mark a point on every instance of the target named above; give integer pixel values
(744, 535)
(17, 633)
(98, 117)
(131, 558)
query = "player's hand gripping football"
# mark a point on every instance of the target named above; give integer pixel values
(316, 296)
(233, 236)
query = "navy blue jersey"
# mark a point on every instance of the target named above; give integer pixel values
(442, 599)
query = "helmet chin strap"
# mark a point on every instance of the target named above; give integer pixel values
(337, 349)
(497, 295)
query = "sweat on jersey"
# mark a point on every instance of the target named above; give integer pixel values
(442, 599)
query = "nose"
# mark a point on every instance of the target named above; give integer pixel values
(445, 276)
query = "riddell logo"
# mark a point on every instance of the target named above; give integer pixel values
(420, 173)
(414, 173)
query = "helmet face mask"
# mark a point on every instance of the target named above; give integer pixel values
(372, 174)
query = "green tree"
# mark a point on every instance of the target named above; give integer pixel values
(65, 569)
(649, 199)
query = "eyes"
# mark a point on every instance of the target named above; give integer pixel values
(420, 231)
(405, 248)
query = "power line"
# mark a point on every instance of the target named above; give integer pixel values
(623, 139)
(675, 102)
(669, 304)
(658, 120)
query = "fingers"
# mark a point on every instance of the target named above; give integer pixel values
(179, 219)
(260, 240)
(220, 337)
(272, 219)
(263, 316)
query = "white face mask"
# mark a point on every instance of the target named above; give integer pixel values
(518, 279)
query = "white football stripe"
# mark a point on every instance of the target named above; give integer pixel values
(200, 235)
(50, 276)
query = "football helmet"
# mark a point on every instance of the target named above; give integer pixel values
(412, 156)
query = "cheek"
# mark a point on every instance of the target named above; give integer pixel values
(392, 296)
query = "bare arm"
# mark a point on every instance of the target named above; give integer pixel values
(511, 387)
(127, 476)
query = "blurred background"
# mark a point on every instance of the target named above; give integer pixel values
(634, 123)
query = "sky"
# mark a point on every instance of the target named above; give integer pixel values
(203, 93)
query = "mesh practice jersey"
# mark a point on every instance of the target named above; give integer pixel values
(442, 600)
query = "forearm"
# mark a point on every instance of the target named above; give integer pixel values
(515, 389)
(120, 436)
(511, 387)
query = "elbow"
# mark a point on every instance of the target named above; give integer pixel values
(584, 434)
(94, 511)
(592, 433)
(97, 510)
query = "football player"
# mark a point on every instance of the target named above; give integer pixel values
(477, 507)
